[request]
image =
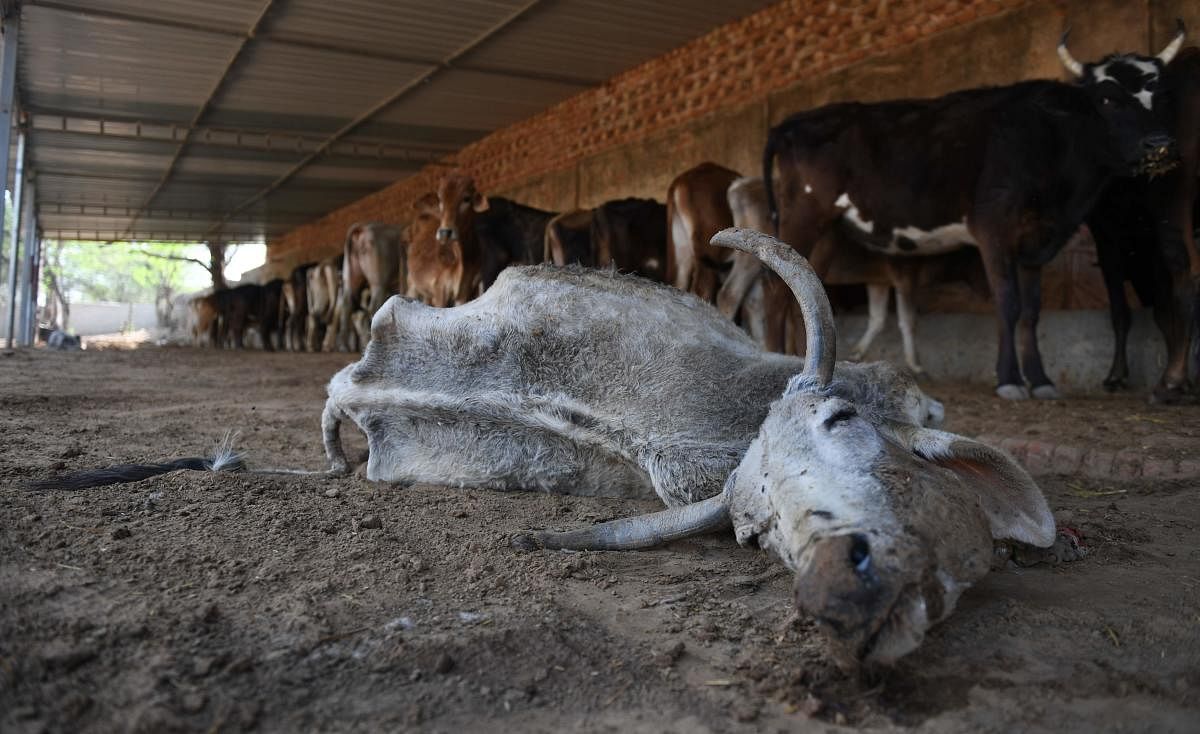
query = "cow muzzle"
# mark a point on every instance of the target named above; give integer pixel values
(868, 612)
(445, 234)
(1159, 155)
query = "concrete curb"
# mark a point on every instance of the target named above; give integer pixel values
(1042, 457)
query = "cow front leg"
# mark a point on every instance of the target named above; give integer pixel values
(1030, 279)
(877, 309)
(906, 314)
(1109, 256)
(1002, 280)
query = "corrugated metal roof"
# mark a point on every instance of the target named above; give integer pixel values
(201, 118)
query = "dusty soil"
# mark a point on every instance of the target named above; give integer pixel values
(224, 602)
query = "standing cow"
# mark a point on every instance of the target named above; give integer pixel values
(696, 210)
(761, 302)
(631, 235)
(1013, 170)
(373, 258)
(1144, 225)
(435, 268)
(494, 232)
(568, 239)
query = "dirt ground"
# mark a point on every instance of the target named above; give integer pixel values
(219, 602)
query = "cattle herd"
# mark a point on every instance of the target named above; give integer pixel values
(983, 186)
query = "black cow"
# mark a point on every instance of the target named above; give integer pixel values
(1144, 225)
(249, 305)
(631, 234)
(494, 232)
(1013, 170)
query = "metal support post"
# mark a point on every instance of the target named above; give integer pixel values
(29, 253)
(15, 259)
(8, 77)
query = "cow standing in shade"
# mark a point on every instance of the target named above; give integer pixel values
(696, 210)
(493, 232)
(1013, 170)
(374, 259)
(1144, 225)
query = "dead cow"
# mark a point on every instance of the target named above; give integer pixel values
(884, 521)
(761, 303)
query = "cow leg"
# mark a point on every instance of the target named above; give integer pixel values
(753, 312)
(705, 282)
(1030, 279)
(742, 276)
(877, 310)
(1002, 280)
(776, 299)
(1108, 254)
(683, 258)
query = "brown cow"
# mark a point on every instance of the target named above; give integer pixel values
(631, 235)
(494, 232)
(569, 239)
(435, 269)
(295, 308)
(696, 210)
(206, 326)
(764, 302)
(373, 259)
(324, 291)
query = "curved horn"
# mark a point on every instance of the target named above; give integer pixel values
(788, 264)
(1065, 56)
(1176, 43)
(636, 533)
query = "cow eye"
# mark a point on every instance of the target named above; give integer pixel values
(1150, 86)
(1106, 101)
(839, 417)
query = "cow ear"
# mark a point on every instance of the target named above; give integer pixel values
(479, 203)
(426, 202)
(1012, 501)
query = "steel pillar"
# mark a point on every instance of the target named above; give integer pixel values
(29, 253)
(10, 31)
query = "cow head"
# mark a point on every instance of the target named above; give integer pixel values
(883, 520)
(458, 203)
(1123, 87)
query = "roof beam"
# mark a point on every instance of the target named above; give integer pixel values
(204, 107)
(377, 108)
(116, 211)
(224, 137)
(112, 235)
(362, 53)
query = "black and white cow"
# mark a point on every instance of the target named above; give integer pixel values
(1013, 170)
(1144, 225)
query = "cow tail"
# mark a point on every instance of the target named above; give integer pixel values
(768, 174)
(223, 459)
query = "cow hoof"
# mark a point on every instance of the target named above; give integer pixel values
(856, 355)
(1113, 384)
(1164, 395)
(1046, 392)
(527, 542)
(1013, 392)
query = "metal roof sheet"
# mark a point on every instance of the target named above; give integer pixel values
(203, 118)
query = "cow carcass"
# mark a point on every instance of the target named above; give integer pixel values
(596, 383)
(494, 232)
(1013, 170)
(758, 300)
(1144, 225)
(696, 210)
